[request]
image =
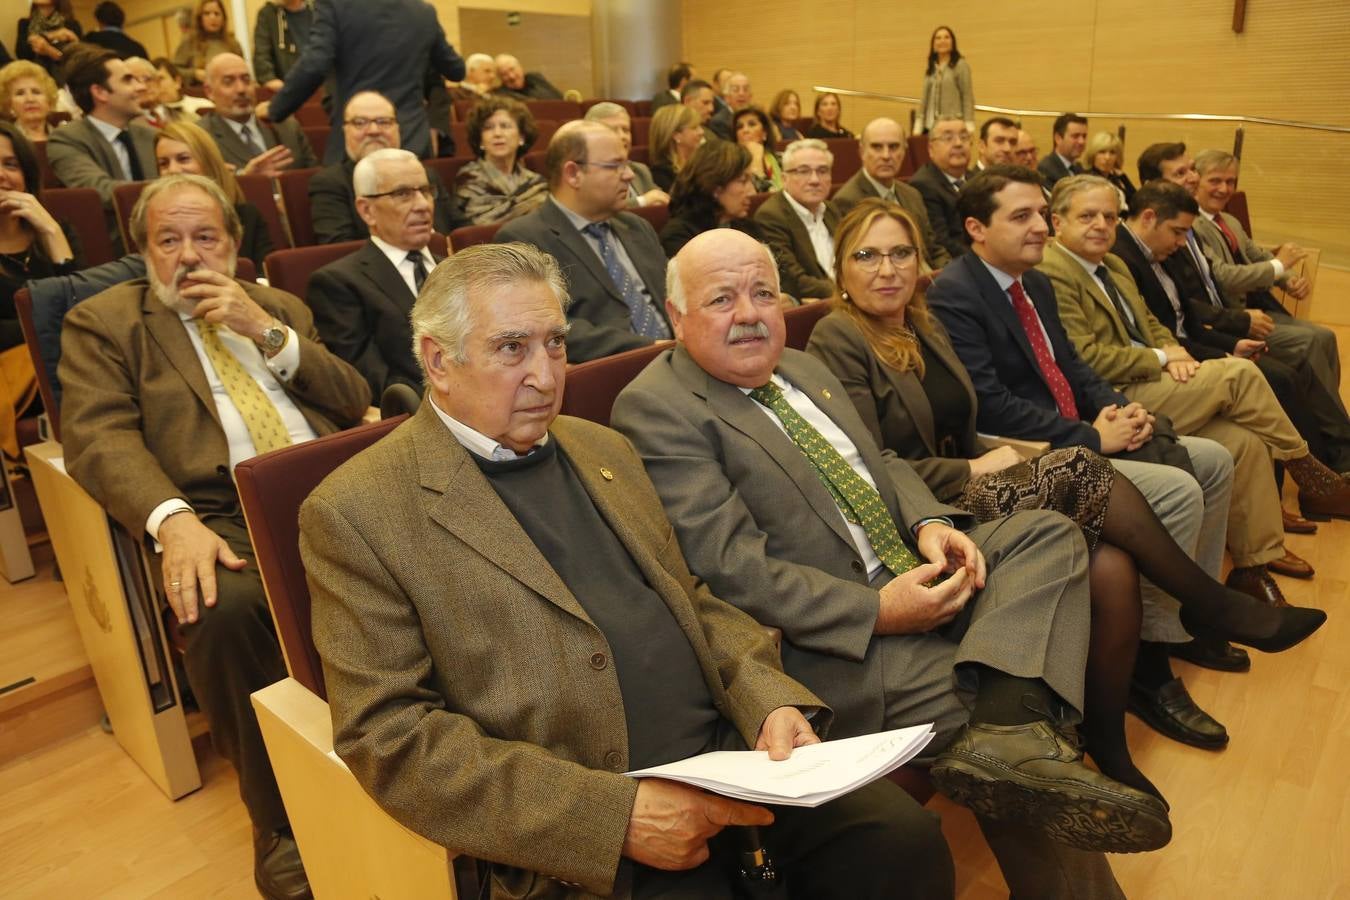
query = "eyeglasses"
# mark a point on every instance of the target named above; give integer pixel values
(378, 121)
(405, 194)
(615, 166)
(960, 137)
(869, 260)
(808, 171)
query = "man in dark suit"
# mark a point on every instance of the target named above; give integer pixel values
(679, 75)
(770, 478)
(1069, 135)
(612, 259)
(369, 123)
(507, 625)
(516, 83)
(882, 147)
(110, 36)
(799, 221)
(105, 148)
(736, 96)
(941, 178)
(642, 190)
(375, 45)
(250, 145)
(168, 383)
(998, 143)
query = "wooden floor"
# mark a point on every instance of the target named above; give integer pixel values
(1267, 818)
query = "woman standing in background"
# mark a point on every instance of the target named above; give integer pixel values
(947, 89)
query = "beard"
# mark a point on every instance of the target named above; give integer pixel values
(169, 295)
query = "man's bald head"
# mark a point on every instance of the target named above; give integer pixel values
(229, 86)
(509, 72)
(883, 149)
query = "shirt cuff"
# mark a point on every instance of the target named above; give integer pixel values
(928, 521)
(162, 512)
(1162, 356)
(1278, 267)
(287, 360)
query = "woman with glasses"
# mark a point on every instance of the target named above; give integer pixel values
(894, 358)
(496, 187)
(712, 191)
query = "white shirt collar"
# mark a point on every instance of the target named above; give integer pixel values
(253, 127)
(881, 189)
(577, 219)
(1207, 214)
(476, 442)
(1089, 267)
(107, 129)
(397, 256)
(1148, 254)
(1005, 281)
(805, 214)
(1068, 163)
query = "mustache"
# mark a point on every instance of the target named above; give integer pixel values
(744, 332)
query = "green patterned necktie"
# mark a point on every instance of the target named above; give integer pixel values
(860, 503)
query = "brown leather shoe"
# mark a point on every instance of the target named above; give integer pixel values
(277, 869)
(1292, 565)
(1255, 580)
(1296, 524)
(1322, 493)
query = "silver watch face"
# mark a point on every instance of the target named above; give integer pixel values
(273, 337)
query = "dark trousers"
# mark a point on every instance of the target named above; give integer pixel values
(1316, 415)
(875, 842)
(232, 651)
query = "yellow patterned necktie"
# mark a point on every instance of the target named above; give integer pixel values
(860, 503)
(260, 414)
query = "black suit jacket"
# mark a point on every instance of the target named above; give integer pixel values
(361, 306)
(1200, 342)
(1052, 169)
(117, 42)
(285, 132)
(1225, 320)
(720, 123)
(1014, 398)
(332, 204)
(940, 199)
(601, 324)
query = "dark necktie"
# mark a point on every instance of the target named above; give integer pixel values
(860, 503)
(419, 269)
(958, 184)
(133, 163)
(1229, 237)
(1202, 266)
(646, 320)
(1131, 327)
(253, 146)
(1054, 376)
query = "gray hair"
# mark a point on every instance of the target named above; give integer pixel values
(1210, 160)
(675, 284)
(805, 144)
(139, 213)
(444, 310)
(605, 110)
(478, 59)
(1071, 186)
(366, 176)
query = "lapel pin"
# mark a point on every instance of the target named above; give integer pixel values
(606, 474)
(825, 392)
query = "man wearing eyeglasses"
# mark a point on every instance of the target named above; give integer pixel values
(369, 123)
(799, 221)
(942, 177)
(361, 302)
(612, 259)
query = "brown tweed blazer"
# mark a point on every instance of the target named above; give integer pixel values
(471, 694)
(139, 425)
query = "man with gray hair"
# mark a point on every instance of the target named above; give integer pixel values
(642, 190)
(507, 625)
(169, 382)
(515, 82)
(612, 259)
(736, 95)
(799, 221)
(361, 302)
(480, 77)
(941, 178)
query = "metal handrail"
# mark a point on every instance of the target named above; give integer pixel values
(1184, 117)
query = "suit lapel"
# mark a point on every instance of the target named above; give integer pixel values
(107, 157)
(1001, 306)
(1089, 284)
(170, 334)
(915, 401)
(624, 232)
(229, 141)
(387, 279)
(578, 246)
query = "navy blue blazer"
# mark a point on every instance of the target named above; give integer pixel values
(1014, 398)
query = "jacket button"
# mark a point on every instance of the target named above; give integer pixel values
(597, 661)
(857, 565)
(222, 470)
(613, 760)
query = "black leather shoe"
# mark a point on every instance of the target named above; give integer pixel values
(1032, 774)
(277, 869)
(1219, 655)
(1170, 710)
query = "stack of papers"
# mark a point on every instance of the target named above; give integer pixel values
(812, 775)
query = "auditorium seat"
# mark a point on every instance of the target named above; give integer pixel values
(642, 129)
(82, 209)
(311, 115)
(642, 108)
(656, 215)
(317, 135)
(592, 386)
(916, 154)
(289, 270)
(801, 321)
(125, 196)
(447, 167)
(557, 110)
(23, 306)
(1237, 208)
(49, 179)
(295, 200)
(546, 128)
(462, 109)
(640, 154)
(472, 235)
(847, 157)
(534, 161)
(757, 200)
(460, 132)
(258, 191)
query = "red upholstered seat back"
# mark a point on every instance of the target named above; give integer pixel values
(82, 209)
(592, 386)
(801, 320)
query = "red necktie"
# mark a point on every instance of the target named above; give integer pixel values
(1227, 235)
(1059, 385)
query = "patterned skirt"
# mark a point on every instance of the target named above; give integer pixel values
(1073, 481)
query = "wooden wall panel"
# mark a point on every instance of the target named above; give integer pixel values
(1152, 56)
(558, 45)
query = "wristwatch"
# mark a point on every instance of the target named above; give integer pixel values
(273, 337)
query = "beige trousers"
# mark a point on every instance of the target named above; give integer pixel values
(1229, 401)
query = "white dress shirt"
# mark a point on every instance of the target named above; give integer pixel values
(1005, 283)
(821, 239)
(476, 442)
(400, 260)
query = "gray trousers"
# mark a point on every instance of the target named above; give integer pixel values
(1295, 340)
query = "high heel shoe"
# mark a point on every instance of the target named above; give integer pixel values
(1294, 625)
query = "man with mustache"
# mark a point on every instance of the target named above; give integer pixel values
(361, 302)
(169, 382)
(369, 123)
(249, 144)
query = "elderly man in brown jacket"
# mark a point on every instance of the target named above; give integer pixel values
(507, 624)
(168, 382)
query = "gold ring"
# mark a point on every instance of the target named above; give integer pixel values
(174, 584)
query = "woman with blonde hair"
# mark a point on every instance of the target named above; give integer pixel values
(1103, 156)
(27, 97)
(675, 134)
(210, 37)
(896, 362)
(184, 148)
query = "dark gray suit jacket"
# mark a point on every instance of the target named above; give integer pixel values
(756, 522)
(332, 205)
(859, 188)
(940, 199)
(1052, 169)
(81, 157)
(361, 306)
(601, 324)
(803, 275)
(284, 132)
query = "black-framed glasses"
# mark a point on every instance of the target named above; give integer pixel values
(405, 194)
(869, 260)
(363, 122)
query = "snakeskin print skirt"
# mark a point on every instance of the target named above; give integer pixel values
(1073, 481)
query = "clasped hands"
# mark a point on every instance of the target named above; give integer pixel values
(1126, 427)
(909, 605)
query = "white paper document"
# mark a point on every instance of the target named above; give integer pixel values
(812, 775)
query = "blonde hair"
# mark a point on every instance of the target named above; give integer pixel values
(200, 38)
(17, 70)
(668, 120)
(896, 348)
(1102, 142)
(204, 150)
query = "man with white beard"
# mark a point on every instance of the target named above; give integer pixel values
(169, 381)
